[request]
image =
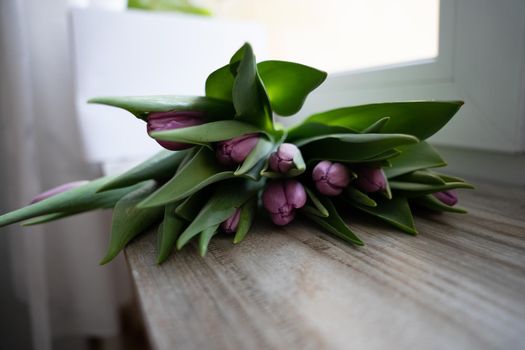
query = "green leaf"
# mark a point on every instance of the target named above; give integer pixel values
(228, 196)
(249, 96)
(414, 189)
(288, 84)
(202, 170)
(259, 152)
(421, 118)
(394, 211)
(50, 217)
(206, 133)
(381, 158)
(129, 221)
(205, 238)
(248, 211)
(449, 178)
(74, 201)
(414, 157)
(376, 127)
(320, 209)
(189, 208)
(168, 232)
(334, 224)
(183, 6)
(359, 197)
(160, 167)
(421, 176)
(140, 106)
(430, 202)
(309, 130)
(351, 147)
(219, 84)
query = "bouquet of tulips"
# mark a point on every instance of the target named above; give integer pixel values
(226, 160)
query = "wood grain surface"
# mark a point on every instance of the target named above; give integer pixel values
(460, 284)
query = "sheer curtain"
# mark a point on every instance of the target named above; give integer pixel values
(52, 269)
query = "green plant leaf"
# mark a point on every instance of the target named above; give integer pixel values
(202, 170)
(421, 176)
(288, 84)
(430, 202)
(219, 84)
(414, 189)
(205, 238)
(449, 178)
(359, 197)
(421, 118)
(183, 6)
(377, 126)
(248, 211)
(189, 208)
(309, 130)
(168, 232)
(160, 167)
(50, 217)
(351, 147)
(394, 211)
(129, 221)
(259, 152)
(334, 224)
(249, 96)
(74, 201)
(414, 157)
(320, 209)
(140, 106)
(206, 133)
(228, 196)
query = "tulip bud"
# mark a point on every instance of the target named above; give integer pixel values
(281, 161)
(160, 121)
(282, 198)
(231, 224)
(330, 178)
(371, 179)
(236, 150)
(447, 197)
(56, 190)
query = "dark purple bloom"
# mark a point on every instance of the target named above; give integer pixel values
(161, 121)
(236, 150)
(231, 224)
(56, 190)
(371, 179)
(330, 178)
(282, 198)
(447, 197)
(281, 161)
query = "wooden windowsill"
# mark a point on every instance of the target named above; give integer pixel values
(460, 284)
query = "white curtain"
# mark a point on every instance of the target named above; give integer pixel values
(54, 267)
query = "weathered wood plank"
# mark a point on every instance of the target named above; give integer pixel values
(460, 284)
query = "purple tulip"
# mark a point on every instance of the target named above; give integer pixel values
(447, 197)
(236, 150)
(160, 121)
(56, 190)
(330, 178)
(282, 198)
(231, 224)
(371, 179)
(282, 160)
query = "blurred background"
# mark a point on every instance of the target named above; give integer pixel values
(55, 54)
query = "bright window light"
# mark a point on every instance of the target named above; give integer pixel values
(341, 35)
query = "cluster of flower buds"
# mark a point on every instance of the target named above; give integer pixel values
(161, 121)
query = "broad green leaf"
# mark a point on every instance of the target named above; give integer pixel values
(352, 147)
(129, 221)
(430, 202)
(168, 232)
(248, 211)
(205, 238)
(376, 127)
(334, 224)
(161, 166)
(309, 130)
(414, 157)
(183, 6)
(259, 152)
(421, 176)
(288, 84)
(394, 211)
(320, 209)
(420, 118)
(357, 196)
(249, 96)
(202, 170)
(219, 84)
(191, 206)
(414, 189)
(140, 106)
(383, 158)
(228, 196)
(206, 133)
(74, 201)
